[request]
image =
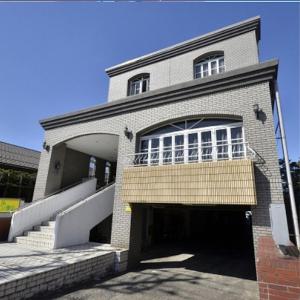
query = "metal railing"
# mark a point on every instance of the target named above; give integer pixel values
(195, 153)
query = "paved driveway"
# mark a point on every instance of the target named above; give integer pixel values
(176, 276)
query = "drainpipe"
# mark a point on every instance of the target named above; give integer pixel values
(287, 166)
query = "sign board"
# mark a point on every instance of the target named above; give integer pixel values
(9, 204)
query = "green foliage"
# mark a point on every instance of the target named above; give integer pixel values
(16, 178)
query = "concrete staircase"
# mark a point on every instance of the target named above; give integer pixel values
(40, 237)
(62, 228)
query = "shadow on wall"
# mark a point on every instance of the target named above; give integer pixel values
(261, 215)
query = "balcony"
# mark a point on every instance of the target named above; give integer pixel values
(210, 175)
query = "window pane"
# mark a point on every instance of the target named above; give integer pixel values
(145, 85)
(237, 142)
(206, 145)
(197, 71)
(222, 143)
(205, 69)
(213, 66)
(154, 151)
(167, 150)
(143, 157)
(221, 65)
(193, 146)
(179, 148)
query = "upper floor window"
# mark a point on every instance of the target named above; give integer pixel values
(138, 84)
(209, 65)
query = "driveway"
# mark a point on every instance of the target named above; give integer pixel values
(179, 275)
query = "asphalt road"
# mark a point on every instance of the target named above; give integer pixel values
(176, 276)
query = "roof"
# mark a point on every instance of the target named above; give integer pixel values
(18, 156)
(189, 45)
(261, 72)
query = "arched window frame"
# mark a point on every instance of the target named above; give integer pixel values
(209, 64)
(138, 84)
(226, 141)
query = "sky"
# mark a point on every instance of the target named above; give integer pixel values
(53, 55)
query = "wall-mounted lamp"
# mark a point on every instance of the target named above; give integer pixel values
(46, 146)
(128, 133)
(57, 165)
(257, 110)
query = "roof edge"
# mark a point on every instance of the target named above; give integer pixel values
(186, 46)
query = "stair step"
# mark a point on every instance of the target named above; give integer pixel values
(45, 229)
(35, 243)
(39, 235)
(49, 223)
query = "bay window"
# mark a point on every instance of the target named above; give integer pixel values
(193, 141)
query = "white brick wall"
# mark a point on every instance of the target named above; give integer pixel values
(238, 102)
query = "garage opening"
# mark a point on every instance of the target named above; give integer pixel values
(213, 239)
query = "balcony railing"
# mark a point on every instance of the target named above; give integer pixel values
(193, 154)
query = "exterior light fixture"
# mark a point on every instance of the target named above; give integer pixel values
(256, 110)
(57, 165)
(128, 133)
(46, 146)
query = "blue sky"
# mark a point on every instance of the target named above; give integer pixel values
(53, 55)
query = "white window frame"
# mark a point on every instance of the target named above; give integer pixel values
(185, 133)
(209, 62)
(138, 82)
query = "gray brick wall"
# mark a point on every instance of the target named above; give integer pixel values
(237, 102)
(239, 51)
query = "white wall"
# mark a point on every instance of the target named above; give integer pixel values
(74, 224)
(43, 210)
(240, 51)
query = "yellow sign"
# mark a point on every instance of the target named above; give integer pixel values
(127, 208)
(9, 204)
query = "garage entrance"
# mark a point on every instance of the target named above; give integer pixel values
(212, 239)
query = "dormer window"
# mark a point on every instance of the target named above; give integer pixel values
(138, 84)
(209, 65)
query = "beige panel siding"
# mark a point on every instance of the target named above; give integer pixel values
(223, 182)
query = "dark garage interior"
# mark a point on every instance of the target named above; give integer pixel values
(218, 239)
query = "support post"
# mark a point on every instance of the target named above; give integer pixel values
(287, 166)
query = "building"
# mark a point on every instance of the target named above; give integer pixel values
(18, 167)
(187, 142)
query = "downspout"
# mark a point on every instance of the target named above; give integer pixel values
(287, 166)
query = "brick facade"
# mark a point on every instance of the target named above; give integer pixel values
(233, 102)
(278, 275)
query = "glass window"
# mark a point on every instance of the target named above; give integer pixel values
(138, 85)
(193, 146)
(179, 148)
(214, 139)
(222, 143)
(154, 151)
(167, 150)
(143, 158)
(210, 65)
(206, 145)
(237, 142)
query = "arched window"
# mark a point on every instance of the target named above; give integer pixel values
(190, 141)
(210, 64)
(138, 84)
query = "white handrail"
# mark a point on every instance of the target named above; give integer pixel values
(43, 210)
(179, 154)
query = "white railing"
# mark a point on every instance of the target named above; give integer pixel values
(74, 224)
(43, 210)
(193, 154)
